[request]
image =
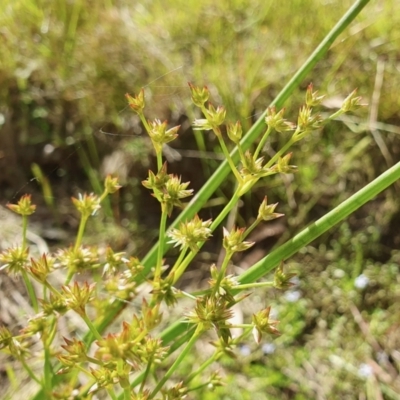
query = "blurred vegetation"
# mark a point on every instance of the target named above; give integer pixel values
(64, 69)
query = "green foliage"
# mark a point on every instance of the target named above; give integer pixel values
(322, 316)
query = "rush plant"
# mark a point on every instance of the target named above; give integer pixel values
(132, 360)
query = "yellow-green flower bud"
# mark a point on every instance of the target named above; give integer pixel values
(24, 206)
(199, 95)
(137, 102)
(235, 132)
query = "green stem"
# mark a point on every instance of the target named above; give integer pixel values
(241, 154)
(31, 291)
(254, 285)
(163, 224)
(92, 328)
(148, 129)
(251, 228)
(179, 260)
(81, 231)
(262, 143)
(111, 393)
(280, 152)
(203, 366)
(28, 284)
(30, 372)
(228, 157)
(146, 374)
(222, 272)
(48, 376)
(180, 358)
(78, 241)
(24, 230)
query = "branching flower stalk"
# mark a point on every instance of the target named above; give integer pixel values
(133, 350)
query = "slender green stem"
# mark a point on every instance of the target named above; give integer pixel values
(251, 228)
(262, 143)
(49, 286)
(24, 230)
(254, 285)
(335, 115)
(48, 376)
(188, 295)
(28, 284)
(163, 224)
(146, 374)
(81, 231)
(241, 154)
(53, 332)
(78, 241)
(179, 260)
(31, 291)
(124, 380)
(30, 372)
(180, 358)
(148, 129)
(222, 272)
(92, 328)
(207, 363)
(111, 393)
(228, 157)
(279, 153)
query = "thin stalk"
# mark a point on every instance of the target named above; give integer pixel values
(24, 230)
(91, 327)
(30, 372)
(207, 363)
(31, 291)
(111, 393)
(47, 376)
(228, 157)
(145, 375)
(180, 358)
(78, 241)
(251, 228)
(262, 143)
(280, 152)
(241, 154)
(148, 129)
(179, 260)
(124, 380)
(28, 284)
(254, 285)
(81, 231)
(163, 224)
(222, 271)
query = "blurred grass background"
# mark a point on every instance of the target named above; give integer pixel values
(64, 69)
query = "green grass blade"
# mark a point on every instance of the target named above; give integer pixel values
(320, 226)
